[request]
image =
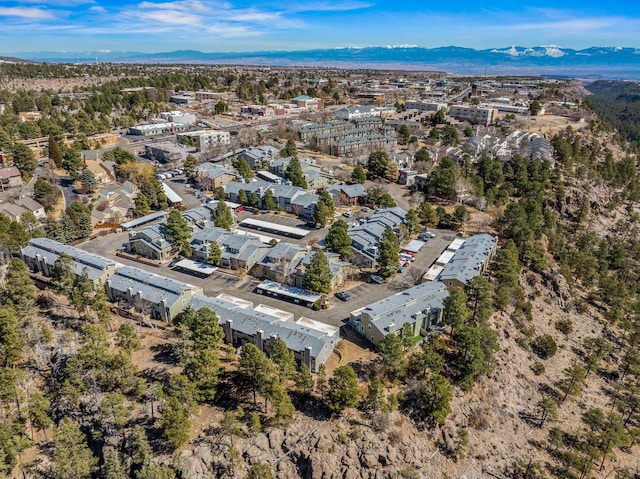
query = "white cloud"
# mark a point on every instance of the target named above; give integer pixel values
(97, 9)
(26, 13)
(329, 6)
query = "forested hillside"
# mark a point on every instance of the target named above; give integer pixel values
(618, 103)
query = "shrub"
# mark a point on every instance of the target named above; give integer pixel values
(537, 368)
(565, 326)
(544, 346)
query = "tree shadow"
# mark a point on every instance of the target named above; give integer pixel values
(164, 354)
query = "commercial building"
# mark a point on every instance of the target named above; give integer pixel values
(168, 152)
(178, 116)
(420, 307)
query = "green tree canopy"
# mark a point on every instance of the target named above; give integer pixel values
(318, 274)
(24, 160)
(388, 253)
(294, 173)
(215, 254)
(343, 389)
(179, 232)
(338, 239)
(358, 175)
(222, 216)
(72, 457)
(381, 165)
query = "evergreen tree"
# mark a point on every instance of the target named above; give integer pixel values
(381, 165)
(338, 239)
(455, 312)
(72, 162)
(358, 175)
(294, 174)
(427, 214)
(24, 160)
(572, 381)
(268, 202)
(304, 380)
(243, 199)
(343, 389)
(142, 205)
(19, 288)
(39, 411)
(175, 422)
(318, 274)
(283, 358)
(289, 150)
(72, 457)
(326, 199)
(391, 351)
(255, 368)
(88, 180)
(260, 470)
(412, 222)
(222, 216)
(388, 253)
(244, 169)
(435, 398)
(190, 165)
(45, 193)
(62, 275)
(55, 153)
(215, 254)
(11, 338)
(320, 214)
(179, 233)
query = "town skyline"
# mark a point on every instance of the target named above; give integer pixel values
(240, 26)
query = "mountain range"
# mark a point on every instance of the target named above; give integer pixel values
(594, 62)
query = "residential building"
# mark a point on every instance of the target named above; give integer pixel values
(473, 114)
(304, 206)
(260, 157)
(469, 259)
(344, 194)
(41, 254)
(279, 262)
(151, 242)
(209, 176)
(311, 343)
(341, 271)
(146, 294)
(33, 206)
(12, 211)
(239, 251)
(10, 178)
(420, 307)
(101, 172)
(205, 139)
(423, 106)
(366, 237)
(352, 112)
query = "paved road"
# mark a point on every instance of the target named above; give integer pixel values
(361, 293)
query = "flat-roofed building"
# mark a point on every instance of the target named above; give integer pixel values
(205, 139)
(470, 260)
(473, 114)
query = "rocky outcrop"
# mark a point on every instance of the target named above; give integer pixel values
(310, 449)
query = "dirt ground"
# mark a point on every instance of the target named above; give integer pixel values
(549, 125)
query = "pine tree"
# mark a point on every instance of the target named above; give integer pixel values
(412, 222)
(19, 288)
(215, 254)
(343, 389)
(318, 274)
(388, 253)
(289, 150)
(179, 233)
(435, 398)
(142, 205)
(283, 358)
(190, 164)
(358, 175)
(268, 202)
(72, 457)
(55, 153)
(222, 216)
(295, 175)
(243, 199)
(175, 422)
(338, 239)
(304, 380)
(391, 351)
(24, 160)
(72, 162)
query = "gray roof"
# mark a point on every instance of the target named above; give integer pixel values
(469, 259)
(401, 308)
(248, 321)
(154, 288)
(212, 170)
(144, 219)
(282, 250)
(96, 265)
(352, 191)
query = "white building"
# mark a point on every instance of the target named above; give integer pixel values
(205, 139)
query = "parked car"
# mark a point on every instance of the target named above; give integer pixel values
(365, 209)
(376, 278)
(343, 296)
(400, 269)
(347, 214)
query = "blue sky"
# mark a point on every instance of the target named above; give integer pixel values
(238, 25)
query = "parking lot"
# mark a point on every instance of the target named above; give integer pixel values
(361, 293)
